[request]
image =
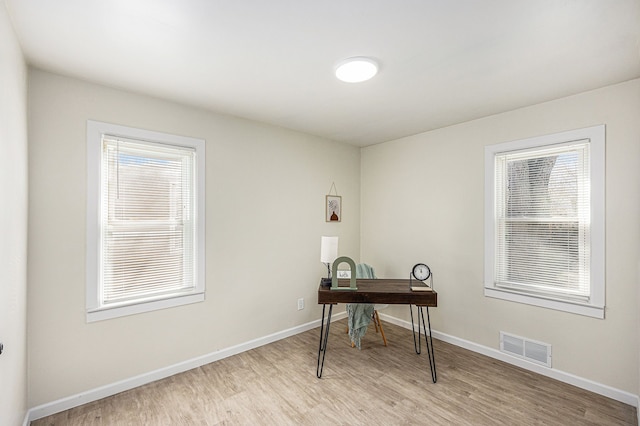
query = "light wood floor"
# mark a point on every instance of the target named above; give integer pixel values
(276, 385)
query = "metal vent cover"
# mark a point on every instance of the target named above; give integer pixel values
(524, 348)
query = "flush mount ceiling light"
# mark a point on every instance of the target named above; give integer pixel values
(357, 69)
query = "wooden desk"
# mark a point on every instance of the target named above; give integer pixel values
(390, 291)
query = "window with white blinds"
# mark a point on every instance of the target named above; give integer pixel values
(147, 235)
(541, 219)
(542, 215)
(149, 221)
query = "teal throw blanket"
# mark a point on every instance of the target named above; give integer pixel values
(359, 314)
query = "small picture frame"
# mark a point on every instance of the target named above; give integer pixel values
(333, 208)
(344, 274)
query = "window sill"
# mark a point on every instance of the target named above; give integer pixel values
(138, 308)
(560, 305)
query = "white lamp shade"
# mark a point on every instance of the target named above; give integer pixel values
(328, 249)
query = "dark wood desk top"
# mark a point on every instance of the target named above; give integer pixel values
(391, 291)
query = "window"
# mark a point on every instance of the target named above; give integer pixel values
(145, 220)
(544, 221)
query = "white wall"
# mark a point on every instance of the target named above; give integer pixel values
(13, 219)
(422, 200)
(266, 190)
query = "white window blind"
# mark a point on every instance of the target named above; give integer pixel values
(542, 220)
(148, 199)
(545, 223)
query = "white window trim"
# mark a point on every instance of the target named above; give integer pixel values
(595, 307)
(95, 131)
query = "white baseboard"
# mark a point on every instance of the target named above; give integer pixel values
(599, 388)
(142, 379)
(91, 395)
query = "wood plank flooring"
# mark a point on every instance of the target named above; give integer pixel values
(276, 385)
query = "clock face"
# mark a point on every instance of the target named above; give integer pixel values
(421, 272)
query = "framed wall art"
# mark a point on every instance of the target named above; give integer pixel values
(334, 208)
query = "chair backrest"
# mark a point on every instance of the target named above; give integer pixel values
(365, 271)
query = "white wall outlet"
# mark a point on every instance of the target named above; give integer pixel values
(300, 304)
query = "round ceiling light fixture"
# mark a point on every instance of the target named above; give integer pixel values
(356, 69)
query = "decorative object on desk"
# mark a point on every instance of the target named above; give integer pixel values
(352, 280)
(328, 253)
(421, 272)
(333, 206)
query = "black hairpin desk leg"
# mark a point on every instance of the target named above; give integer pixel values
(416, 342)
(324, 337)
(427, 338)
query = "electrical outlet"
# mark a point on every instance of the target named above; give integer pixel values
(300, 304)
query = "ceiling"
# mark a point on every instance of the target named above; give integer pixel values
(441, 61)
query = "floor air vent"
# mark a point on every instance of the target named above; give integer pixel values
(533, 351)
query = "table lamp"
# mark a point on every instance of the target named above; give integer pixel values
(328, 253)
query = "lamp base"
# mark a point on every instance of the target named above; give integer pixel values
(325, 282)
